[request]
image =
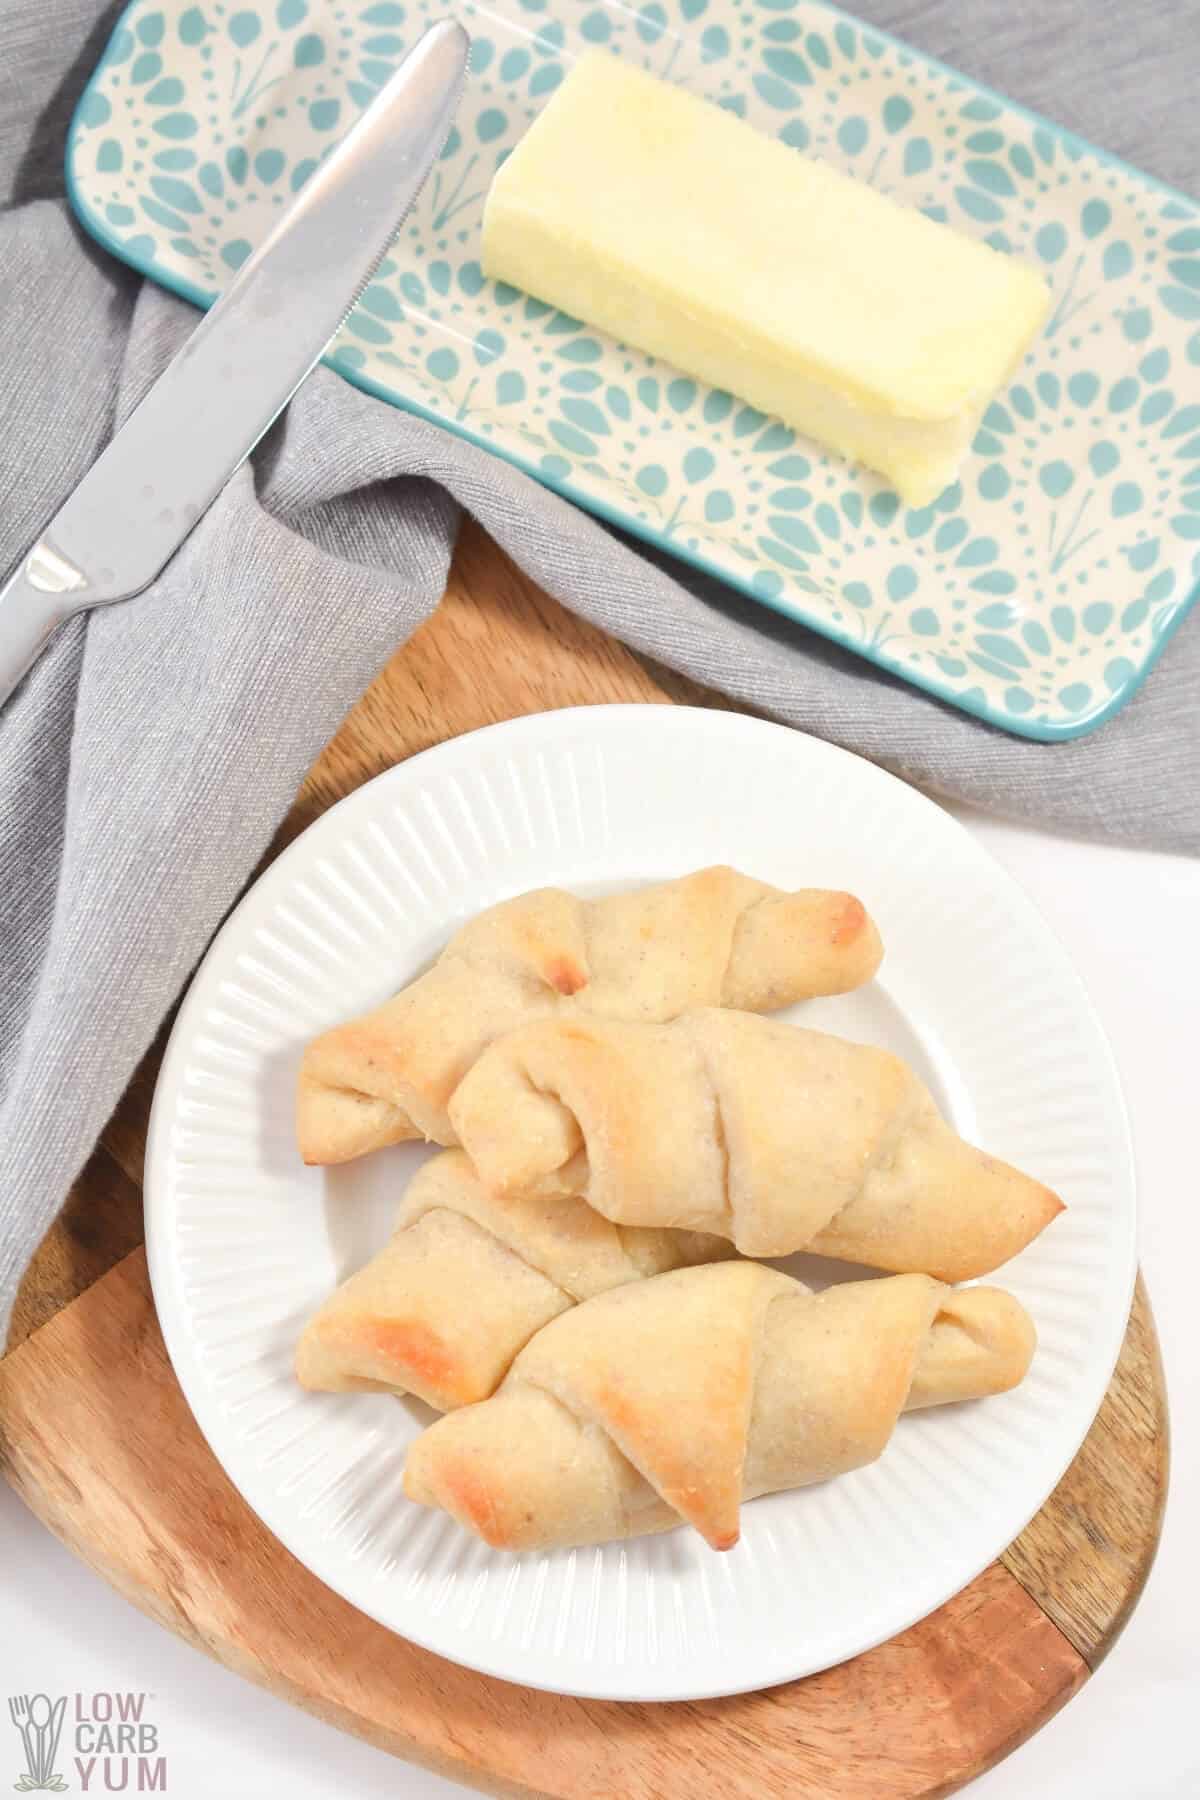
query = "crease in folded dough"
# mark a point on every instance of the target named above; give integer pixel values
(618, 1419)
(778, 1138)
(466, 1280)
(715, 938)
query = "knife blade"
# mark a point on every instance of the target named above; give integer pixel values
(241, 365)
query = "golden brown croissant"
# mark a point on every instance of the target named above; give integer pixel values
(466, 1281)
(777, 1138)
(715, 938)
(677, 1398)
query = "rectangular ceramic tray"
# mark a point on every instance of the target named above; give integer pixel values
(1036, 593)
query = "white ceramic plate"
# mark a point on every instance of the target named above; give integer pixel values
(244, 1242)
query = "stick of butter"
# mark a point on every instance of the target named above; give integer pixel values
(679, 229)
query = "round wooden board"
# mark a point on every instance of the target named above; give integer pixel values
(96, 1435)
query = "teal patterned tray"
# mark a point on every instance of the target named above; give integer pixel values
(1036, 593)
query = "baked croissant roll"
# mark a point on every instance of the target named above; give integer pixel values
(677, 1398)
(715, 938)
(777, 1138)
(465, 1282)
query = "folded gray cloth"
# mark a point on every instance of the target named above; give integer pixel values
(149, 756)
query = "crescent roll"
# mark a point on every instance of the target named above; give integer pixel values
(776, 1138)
(675, 1399)
(715, 938)
(466, 1280)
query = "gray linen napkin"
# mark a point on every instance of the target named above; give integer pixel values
(150, 755)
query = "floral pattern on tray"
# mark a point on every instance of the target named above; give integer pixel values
(1036, 592)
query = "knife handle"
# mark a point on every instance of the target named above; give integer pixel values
(34, 602)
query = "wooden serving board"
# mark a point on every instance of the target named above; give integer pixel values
(97, 1437)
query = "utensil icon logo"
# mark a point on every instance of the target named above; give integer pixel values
(39, 1721)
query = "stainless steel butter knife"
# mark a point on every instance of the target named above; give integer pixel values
(241, 365)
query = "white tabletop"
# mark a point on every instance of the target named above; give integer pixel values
(1130, 922)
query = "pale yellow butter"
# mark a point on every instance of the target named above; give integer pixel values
(679, 229)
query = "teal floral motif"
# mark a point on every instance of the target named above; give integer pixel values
(1036, 591)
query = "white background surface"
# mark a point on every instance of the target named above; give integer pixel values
(1130, 921)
